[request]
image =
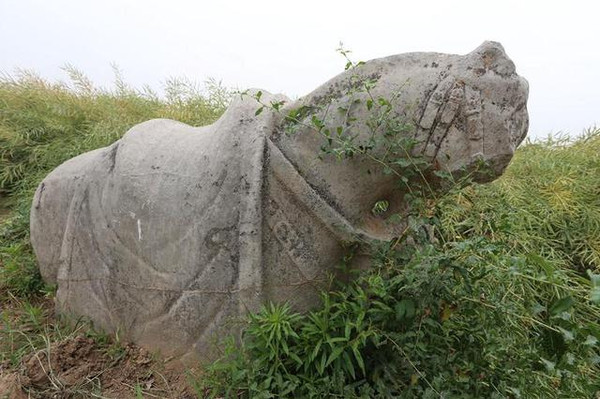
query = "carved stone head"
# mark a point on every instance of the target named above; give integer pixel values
(457, 110)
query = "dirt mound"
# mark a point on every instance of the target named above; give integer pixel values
(78, 367)
(10, 386)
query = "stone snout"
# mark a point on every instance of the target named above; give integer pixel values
(484, 115)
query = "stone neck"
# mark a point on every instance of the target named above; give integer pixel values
(350, 187)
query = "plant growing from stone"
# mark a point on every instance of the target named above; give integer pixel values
(454, 307)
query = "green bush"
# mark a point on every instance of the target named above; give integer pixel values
(504, 303)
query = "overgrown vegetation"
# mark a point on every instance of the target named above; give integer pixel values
(504, 302)
(501, 301)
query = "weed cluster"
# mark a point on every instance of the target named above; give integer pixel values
(484, 310)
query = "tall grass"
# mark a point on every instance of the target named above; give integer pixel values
(547, 202)
(503, 303)
(43, 124)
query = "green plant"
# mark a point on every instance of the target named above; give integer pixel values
(485, 293)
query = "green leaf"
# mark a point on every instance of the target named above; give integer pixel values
(349, 366)
(318, 123)
(405, 309)
(380, 207)
(359, 360)
(561, 305)
(591, 340)
(335, 353)
(277, 104)
(535, 259)
(595, 290)
(536, 308)
(332, 341)
(315, 351)
(296, 358)
(382, 101)
(369, 104)
(549, 365)
(258, 111)
(442, 174)
(403, 162)
(567, 335)
(321, 365)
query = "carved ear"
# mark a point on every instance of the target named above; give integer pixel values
(491, 56)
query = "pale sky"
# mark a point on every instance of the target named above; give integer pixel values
(289, 47)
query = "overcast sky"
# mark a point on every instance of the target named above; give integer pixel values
(289, 47)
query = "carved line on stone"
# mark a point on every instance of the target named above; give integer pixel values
(433, 106)
(250, 258)
(39, 194)
(199, 217)
(160, 172)
(474, 124)
(174, 302)
(439, 102)
(276, 222)
(314, 282)
(69, 239)
(119, 243)
(285, 172)
(112, 155)
(426, 101)
(222, 292)
(108, 305)
(455, 101)
(215, 319)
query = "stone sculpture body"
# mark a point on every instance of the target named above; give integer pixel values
(173, 230)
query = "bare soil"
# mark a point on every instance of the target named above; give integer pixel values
(79, 366)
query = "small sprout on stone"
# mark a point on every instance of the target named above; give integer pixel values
(380, 207)
(276, 105)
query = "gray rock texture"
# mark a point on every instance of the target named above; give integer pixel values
(173, 232)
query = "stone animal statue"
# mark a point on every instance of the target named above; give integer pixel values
(173, 231)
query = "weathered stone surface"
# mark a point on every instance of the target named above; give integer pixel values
(173, 231)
